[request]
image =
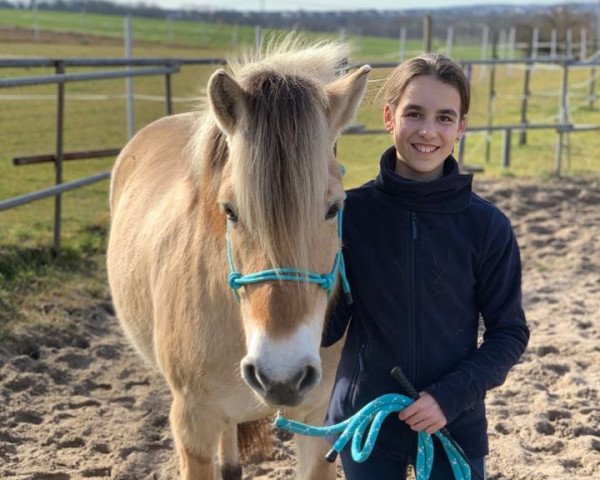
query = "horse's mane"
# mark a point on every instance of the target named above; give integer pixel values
(280, 182)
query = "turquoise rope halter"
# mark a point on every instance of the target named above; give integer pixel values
(371, 417)
(325, 281)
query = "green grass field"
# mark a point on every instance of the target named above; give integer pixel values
(27, 127)
(215, 37)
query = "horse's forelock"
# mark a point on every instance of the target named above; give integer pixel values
(281, 176)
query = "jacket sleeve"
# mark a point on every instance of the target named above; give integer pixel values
(498, 296)
(339, 315)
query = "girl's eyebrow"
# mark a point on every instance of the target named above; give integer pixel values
(449, 111)
(412, 106)
(444, 111)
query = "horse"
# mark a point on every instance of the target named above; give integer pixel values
(199, 202)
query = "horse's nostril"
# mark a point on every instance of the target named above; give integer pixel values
(252, 377)
(309, 378)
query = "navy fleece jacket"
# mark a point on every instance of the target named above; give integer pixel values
(426, 260)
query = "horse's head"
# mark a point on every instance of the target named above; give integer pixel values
(281, 192)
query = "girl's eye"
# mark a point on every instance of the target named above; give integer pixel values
(230, 213)
(446, 119)
(412, 114)
(332, 212)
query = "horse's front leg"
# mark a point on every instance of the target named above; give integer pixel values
(229, 458)
(196, 431)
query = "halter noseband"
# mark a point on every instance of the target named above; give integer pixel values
(236, 280)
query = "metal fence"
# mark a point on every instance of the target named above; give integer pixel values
(151, 66)
(168, 66)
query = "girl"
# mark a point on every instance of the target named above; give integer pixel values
(425, 259)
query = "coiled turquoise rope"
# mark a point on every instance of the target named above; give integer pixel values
(373, 414)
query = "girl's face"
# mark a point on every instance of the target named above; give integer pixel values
(425, 126)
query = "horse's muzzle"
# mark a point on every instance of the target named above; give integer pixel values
(281, 392)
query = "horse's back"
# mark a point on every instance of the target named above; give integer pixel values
(155, 156)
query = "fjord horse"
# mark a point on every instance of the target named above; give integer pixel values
(247, 184)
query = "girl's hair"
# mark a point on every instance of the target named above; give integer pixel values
(430, 64)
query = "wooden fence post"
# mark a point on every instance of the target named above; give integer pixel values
(258, 38)
(553, 38)
(485, 36)
(449, 41)
(511, 48)
(402, 43)
(427, 31)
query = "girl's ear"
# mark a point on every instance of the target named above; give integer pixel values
(462, 126)
(388, 118)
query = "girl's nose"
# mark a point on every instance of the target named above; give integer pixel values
(427, 129)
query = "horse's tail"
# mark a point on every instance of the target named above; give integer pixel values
(255, 440)
(248, 442)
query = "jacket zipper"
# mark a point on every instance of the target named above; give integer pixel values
(413, 287)
(415, 229)
(412, 326)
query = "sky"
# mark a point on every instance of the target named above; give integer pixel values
(270, 5)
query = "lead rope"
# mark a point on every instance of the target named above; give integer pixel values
(371, 417)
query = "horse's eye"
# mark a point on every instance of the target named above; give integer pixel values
(230, 213)
(332, 212)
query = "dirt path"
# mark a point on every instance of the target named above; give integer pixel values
(78, 403)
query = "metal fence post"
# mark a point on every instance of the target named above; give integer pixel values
(506, 148)
(168, 98)
(592, 95)
(461, 151)
(58, 163)
(491, 98)
(524, 102)
(563, 118)
(128, 37)
(463, 140)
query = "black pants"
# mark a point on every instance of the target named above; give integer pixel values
(380, 468)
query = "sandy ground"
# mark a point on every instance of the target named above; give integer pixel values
(78, 403)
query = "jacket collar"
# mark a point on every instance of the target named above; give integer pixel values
(448, 194)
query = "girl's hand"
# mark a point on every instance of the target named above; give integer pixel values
(424, 414)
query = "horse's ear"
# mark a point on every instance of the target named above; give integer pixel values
(345, 96)
(227, 100)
